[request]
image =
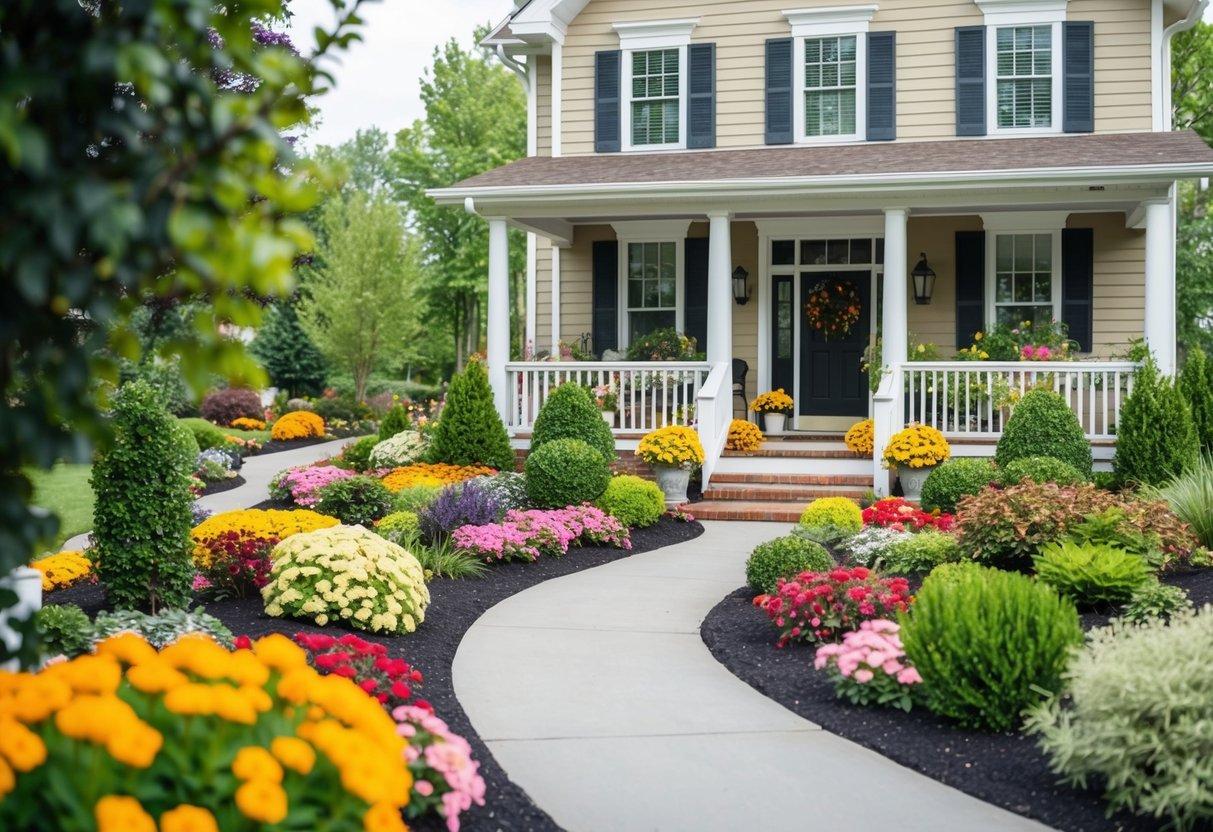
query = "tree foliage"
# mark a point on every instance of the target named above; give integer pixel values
(470, 432)
(289, 357)
(1192, 108)
(1192, 80)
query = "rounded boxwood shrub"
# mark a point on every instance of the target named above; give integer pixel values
(957, 477)
(565, 472)
(1091, 574)
(1044, 425)
(469, 431)
(831, 518)
(632, 501)
(222, 406)
(397, 525)
(784, 557)
(357, 455)
(347, 574)
(569, 413)
(985, 643)
(1040, 469)
(205, 434)
(1156, 437)
(355, 500)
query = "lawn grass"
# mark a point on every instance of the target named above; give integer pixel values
(65, 490)
(260, 435)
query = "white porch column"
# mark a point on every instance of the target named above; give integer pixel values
(528, 341)
(888, 408)
(499, 313)
(720, 290)
(1159, 328)
(555, 345)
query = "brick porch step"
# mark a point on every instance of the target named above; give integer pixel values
(794, 479)
(745, 510)
(797, 493)
(796, 454)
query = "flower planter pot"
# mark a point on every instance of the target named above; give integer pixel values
(912, 479)
(673, 481)
(26, 582)
(608, 416)
(773, 423)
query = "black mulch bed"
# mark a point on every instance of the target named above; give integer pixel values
(219, 486)
(454, 606)
(1006, 769)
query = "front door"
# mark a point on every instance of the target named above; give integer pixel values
(833, 388)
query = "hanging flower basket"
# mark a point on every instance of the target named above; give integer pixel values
(833, 308)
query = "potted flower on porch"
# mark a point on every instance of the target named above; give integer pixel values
(774, 407)
(914, 452)
(673, 452)
(606, 400)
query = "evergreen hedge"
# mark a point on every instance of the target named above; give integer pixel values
(1156, 438)
(569, 413)
(470, 432)
(1044, 425)
(1196, 384)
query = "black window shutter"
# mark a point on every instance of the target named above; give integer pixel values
(970, 80)
(970, 285)
(1078, 81)
(779, 91)
(606, 101)
(1078, 284)
(882, 91)
(695, 290)
(604, 320)
(701, 101)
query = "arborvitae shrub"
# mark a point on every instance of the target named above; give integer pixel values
(1044, 425)
(565, 472)
(222, 406)
(957, 477)
(1196, 384)
(569, 413)
(394, 421)
(1156, 439)
(986, 642)
(469, 431)
(632, 501)
(1041, 469)
(784, 557)
(143, 517)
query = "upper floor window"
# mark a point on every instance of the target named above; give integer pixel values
(830, 86)
(1023, 62)
(656, 96)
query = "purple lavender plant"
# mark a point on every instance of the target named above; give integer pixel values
(458, 505)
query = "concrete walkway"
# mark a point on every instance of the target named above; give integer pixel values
(597, 696)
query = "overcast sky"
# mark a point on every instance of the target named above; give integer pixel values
(378, 80)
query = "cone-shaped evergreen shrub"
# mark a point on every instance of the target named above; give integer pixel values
(569, 413)
(1044, 425)
(141, 525)
(469, 431)
(1196, 384)
(394, 421)
(1155, 439)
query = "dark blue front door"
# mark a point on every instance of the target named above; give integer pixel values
(831, 381)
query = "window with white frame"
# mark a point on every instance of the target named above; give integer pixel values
(1025, 278)
(1023, 61)
(654, 82)
(652, 287)
(830, 68)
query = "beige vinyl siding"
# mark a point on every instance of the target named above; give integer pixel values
(1120, 283)
(543, 106)
(577, 281)
(925, 61)
(935, 322)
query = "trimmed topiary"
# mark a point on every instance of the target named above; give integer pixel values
(569, 413)
(632, 501)
(1044, 425)
(470, 432)
(223, 406)
(955, 478)
(205, 434)
(142, 519)
(565, 472)
(1156, 438)
(1196, 385)
(784, 557)
(394, 421)
(1040, 469)
(355, 501)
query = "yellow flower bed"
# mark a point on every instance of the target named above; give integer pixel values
(743, 436)
(673, 445)
(859, 438)
(300, 424)
(129, 720)
(62, 570)
(432, 474)
(917, 447)
(776, 401)
(264, 523)
(245, 423)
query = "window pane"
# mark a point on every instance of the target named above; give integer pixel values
(861, 251)
(1003, 249)
(830, 80)
(812, 252)
(1043, 291)
(1023, 289)
(880, 251)
(655, 103)
(838, 251)
(1023, 282)
(635, 293)
(1002, 288)
(1023, 253)
(1014, 316)
(783, 252)
(642, 323)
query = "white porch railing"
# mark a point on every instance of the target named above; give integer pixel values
(649, 394)
(715, 414)
(973, 398)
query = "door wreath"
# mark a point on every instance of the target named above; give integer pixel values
(833, 307)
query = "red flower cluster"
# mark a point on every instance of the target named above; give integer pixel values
(239, 564)
(390, 681)
(823, 606)
(899, 513)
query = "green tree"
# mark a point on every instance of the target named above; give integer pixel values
(475, 120)
(129, 169)
(357, 305)
(289, 357)
(470, 432)
(1192, 80)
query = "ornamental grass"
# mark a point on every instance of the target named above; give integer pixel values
(432, 474)
(62, 570)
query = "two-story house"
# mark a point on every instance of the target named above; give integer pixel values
(942, 166)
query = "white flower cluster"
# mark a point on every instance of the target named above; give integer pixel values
(350, 574)
(402, 449)
(868, 546)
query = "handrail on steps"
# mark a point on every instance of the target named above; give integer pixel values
(714, 408)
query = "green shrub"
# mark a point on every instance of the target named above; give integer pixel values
(224, 406)
(1091, 574)
(470, 432)
(1154, 599)
(828, 519)
(343, 408)
(1156, 439)
(161, 629)
(947, 573)
(920, 552)
(394, 421)
(415, 498)
(186, 438)
(64, 629)
(569, 413)
(357, 455)
(666, 344)
(565, 472)
(1190, 496)
(1196, 385)
(205, 434)
(1043, 425)
(1040, 469)
(441, 559)
(957, 477)
(784, 557)
(986, 641)
(355, 501)
(1112, 527)
(1135, 717)
(632, 501)
(143, 513)
(1104, 479)
(397, 526)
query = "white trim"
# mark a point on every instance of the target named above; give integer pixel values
(655, 34)
(1022, 12)
(1024, 222)
(1160, 76)
(557, 97)
(808, 228)
(830, 20)
(532, 275)
(861, 88)
(655, 231)
(555, 348)
(992, 235)
(625, 310)
(532, 107)
(1057, 87)
(625, 101)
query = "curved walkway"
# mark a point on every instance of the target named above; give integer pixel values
(597, 696)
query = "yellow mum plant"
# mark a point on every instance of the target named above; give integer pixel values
(918, 446)
(432, 474)
(195, 737)
(63, 569)
(743, 436)
(254, 523)
(245, 423)
(859, 437)
(299, 424)
(673, 445)
(776, 401)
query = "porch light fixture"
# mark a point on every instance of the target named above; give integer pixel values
(741, 291)
(924, 280)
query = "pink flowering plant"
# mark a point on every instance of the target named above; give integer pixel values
(302, 485)
(390, 681)
(526, 535)
(869, 666)
(900, 514)
(445, 777)
(817, 607)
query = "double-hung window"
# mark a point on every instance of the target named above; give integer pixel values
(1024, 279)
(1023, 65)
(652, 287)
(830, 72)
(654, 83)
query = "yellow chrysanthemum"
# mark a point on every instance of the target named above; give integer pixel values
(22, 748)
(383, 817)
(255, 763)
(186, 818)
(119, 813)
(62, 569)
(432, 474)
(262, 801)
(128, 648)
(280, 653)
(136, 746)
(299, 424)
(294, 753)
(860, 437)
(8, 779)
